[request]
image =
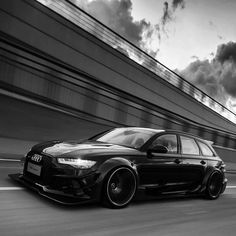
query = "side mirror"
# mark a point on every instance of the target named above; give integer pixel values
(157, 149)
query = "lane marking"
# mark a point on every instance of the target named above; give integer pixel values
(196, 212)
(14, 160)
(10, 167)
(230, 186)
(10, 188)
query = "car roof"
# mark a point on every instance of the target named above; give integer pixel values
(171, 131)
(190, 135)
(143, 128)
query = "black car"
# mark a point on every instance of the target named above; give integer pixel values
(112, 166)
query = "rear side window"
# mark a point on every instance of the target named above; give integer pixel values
(206, 151)
(189, 146)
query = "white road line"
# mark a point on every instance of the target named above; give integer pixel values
(231, 187)
(10, 188)
(9, 167)
(13, 160)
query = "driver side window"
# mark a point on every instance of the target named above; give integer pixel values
(167, 140)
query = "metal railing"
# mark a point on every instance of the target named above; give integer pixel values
(82, 19)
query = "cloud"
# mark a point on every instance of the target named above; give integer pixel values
(167, 15)
(226, 53)
(217, 77)
(229, 78)
(116, 14)
(194, 57)
(178, 3)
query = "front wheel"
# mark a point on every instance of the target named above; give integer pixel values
(119, 188)
(214, 185)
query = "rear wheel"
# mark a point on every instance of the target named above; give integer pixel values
(119, 188)
(214, 185)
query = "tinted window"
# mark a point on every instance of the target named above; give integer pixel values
(167, 140)
(131, 137)
(206, 151)
(189, 146)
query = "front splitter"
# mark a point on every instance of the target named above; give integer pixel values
(54, 195)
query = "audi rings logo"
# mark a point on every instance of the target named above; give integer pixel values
(36, 158)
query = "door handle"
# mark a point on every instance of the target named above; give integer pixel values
(177, 161)
(203, 162)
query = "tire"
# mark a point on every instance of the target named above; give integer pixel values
(119, 188)
(214, 185)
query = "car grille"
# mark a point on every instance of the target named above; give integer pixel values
(38, 167)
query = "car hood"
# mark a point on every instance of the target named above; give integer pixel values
(73, 148)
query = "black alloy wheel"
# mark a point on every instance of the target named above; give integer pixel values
(214, 185)
(120, 188)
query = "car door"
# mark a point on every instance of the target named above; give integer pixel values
(162, 170)
(193, 163)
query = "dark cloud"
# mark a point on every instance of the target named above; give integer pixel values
(203, 75)
(168, 14)
(228, 76)
(226, 53)
(216, 77)
(178, 3)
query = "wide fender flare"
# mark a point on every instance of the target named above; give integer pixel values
(209, 171)
(110, 165)
(114, 163)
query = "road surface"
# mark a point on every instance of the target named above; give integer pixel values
(23, 212)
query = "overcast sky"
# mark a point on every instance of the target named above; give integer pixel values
(195, 37)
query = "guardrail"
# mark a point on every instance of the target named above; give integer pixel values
(82, 19)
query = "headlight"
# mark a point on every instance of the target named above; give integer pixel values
(76, 162)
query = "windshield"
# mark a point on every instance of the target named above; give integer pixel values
(130, 137)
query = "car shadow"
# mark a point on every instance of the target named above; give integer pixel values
(141, 198)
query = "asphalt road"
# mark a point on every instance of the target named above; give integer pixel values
(23, 212)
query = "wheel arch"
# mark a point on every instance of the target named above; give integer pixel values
(110, 165)
(210, 170)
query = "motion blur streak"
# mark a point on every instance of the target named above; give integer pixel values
(10, 188)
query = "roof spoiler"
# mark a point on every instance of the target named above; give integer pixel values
(210, 142)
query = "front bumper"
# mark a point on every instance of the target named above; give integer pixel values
(59, 196)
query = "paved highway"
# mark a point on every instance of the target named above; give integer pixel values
(23, 212)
